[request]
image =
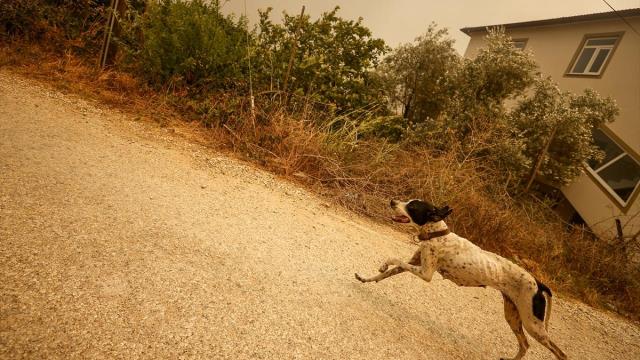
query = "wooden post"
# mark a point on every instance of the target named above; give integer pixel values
(536, 168)
(293, 52)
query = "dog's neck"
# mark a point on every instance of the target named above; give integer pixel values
(435, 227)
(433, 230)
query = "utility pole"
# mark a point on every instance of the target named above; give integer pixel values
(116, 7)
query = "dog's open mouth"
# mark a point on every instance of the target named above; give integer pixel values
(400, 218)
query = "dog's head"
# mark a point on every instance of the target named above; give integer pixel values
(418, 212)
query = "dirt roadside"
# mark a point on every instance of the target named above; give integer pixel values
(119, 239)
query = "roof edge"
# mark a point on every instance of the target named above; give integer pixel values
(557, 21)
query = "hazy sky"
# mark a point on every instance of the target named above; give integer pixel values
(402, 21)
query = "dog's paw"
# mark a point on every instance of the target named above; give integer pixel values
(360, 278)
(383, 267)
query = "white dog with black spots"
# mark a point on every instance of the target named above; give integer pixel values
(527, 302)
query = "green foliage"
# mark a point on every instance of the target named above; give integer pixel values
(419, 77)
(187, 43)
(513, 136)
(333, 59)
(59, 20)
(191, 43)
(573, 117)
(386, 127)
(464, 100)
(493, 107)
(498, 72)
(22, 17)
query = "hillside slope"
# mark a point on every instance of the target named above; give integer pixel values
(120, 239)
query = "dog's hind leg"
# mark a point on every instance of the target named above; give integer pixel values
(537, 330)
(515, 323)
(535, 317)
(384, 273)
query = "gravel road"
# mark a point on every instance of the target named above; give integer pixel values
(119, 239)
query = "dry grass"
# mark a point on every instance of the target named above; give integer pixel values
(362, 174)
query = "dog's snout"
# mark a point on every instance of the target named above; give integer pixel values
(393, 203)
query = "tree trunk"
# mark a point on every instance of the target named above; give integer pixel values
(536, 168)
(294, 45)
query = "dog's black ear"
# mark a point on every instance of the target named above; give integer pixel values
(444, 211)
(420, 212)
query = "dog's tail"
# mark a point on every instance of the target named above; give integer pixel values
(542, 296)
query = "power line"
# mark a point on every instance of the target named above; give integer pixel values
(622, 17)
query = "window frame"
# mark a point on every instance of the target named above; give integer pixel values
(522, 40)
(603, 68)
(624, 206)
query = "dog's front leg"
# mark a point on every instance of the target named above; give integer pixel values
(384, 273)
(415, 260)
(427, 264)
(381, 276)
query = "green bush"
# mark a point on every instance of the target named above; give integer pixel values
(22, 17)
(419, 77)
(471, 112)
(332, 64)
(388, 127)
(186, 43)
(59, 20)
(570, 118)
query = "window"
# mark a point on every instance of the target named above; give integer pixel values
(593, 55)
(617, 172)
(519, 44)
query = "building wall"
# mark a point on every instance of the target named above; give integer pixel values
(554, 48)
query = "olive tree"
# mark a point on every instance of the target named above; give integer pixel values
(498, 72)
(495, 107)
(418, 77)
(556, 128)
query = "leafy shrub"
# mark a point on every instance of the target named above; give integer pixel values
(499, 71)
(472, 114)
(186, 43)
(567, 121)
(419, 77)
(22, 17)
(391, 127)
(74, 17)
(58, 20)
(333, 59)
